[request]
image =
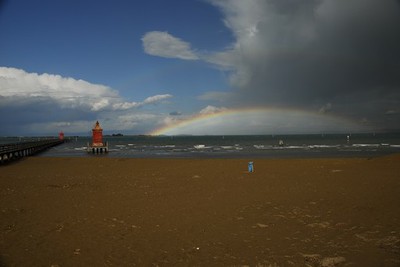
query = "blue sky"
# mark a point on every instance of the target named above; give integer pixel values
(138, 66)
(100, 42)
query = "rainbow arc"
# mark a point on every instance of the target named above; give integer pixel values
(261, 121)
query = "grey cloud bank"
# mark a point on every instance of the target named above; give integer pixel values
(344, 55)
(340, 57)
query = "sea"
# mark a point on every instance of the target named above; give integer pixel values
(229, 146)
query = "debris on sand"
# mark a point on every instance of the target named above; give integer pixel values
(332, 261)
(261, 225)
(317, 260)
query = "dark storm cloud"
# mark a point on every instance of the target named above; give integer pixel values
(310, 54)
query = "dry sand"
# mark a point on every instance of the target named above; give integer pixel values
(200, 212)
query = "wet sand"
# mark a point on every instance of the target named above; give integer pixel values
(200, 212)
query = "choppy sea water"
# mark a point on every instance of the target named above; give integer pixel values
(261, 146)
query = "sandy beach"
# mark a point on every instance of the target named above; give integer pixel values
(200, 212)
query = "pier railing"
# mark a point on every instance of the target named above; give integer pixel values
(19, 150)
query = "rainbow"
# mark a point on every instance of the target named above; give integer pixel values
(261, 121)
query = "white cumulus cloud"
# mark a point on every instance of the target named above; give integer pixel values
(163, 44)
(46, 103)
(156, 98)
(18, 87)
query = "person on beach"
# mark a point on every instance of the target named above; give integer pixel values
(250, 167)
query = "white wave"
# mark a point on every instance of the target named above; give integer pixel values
(169, 146)
(291, 147)
(199, 146)
(365, 145)
(323, 146)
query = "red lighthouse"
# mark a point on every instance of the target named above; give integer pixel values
(97, 135)
(97, 145)
(61, 136)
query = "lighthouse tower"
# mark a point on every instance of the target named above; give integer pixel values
(97, 135)
(97, 145)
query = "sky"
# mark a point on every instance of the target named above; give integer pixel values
(199, 66)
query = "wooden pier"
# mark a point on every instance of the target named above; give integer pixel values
(14, 151)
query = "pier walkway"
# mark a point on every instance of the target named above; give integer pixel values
(9, 152)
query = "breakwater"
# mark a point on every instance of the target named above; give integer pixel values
(14, 151)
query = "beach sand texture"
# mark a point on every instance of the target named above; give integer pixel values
(200, 212)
